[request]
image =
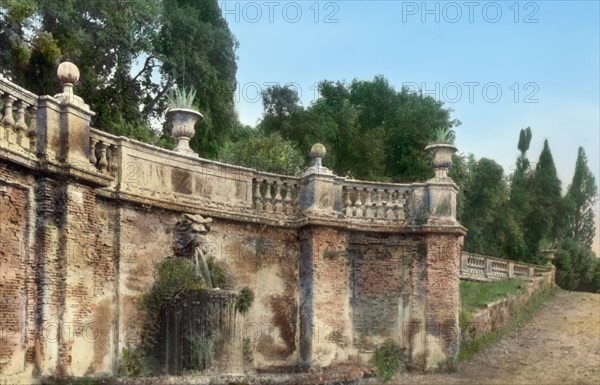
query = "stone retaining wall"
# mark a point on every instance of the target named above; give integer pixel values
(337, 265)
(498, 315)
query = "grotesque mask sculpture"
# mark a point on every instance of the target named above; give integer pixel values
(191, 242)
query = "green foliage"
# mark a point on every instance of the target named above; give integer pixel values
(245, 299)
(264, 152)
(178, 97)
(577, 267)
(517, 320)
(371, 131)
(172, 276)
(196, 48)
(475, 295)
(388, 360)
(202, 350)
(524, 140)
(219, 275)
(544, 220)
(485, 213)
(444, 136)
(247, 351)
(120, 47)
(129, 364)
(580, 200)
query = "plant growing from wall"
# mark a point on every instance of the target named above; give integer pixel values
(202, 349)
(245, 299)
(219, 275)
(388, 360)
(172, 276)
(247, 352)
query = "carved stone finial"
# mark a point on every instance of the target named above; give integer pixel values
(68, 73)
(318, 152)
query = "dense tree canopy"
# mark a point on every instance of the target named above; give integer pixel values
(371, 131)
(129, 53)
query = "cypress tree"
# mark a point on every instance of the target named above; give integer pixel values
(581, 197)
(543, 223)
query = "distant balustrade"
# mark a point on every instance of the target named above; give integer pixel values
(481, 267)
(276, 194)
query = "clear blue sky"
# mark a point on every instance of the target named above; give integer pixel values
(543, 57)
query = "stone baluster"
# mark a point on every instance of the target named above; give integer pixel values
(391, 204)
(93, 144)
(347, 204)
(114, 160)
(277, 206)
(400, 205)
(369, 212)
(268, 205)
(8, 120)
(258, 205)
(297, 199)
(379, 198)
(287, 201)
(358, 204)
(32, 132)
(103, 161)
(21, 126)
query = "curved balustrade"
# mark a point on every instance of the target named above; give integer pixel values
(18, 118)
(386, 202)
(273, 193)
(475, 266)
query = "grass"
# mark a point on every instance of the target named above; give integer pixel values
(475, 295)
(517, 320)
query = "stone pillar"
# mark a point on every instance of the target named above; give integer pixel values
(432, 213)
(325, 273)
(442, 305)
(321, 193)
(511, 269)
(75, 118)
(325, 270)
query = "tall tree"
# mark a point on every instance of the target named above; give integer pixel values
(129, 53)
(579, 201)
(486, 194)
(544, 220)
(371, 130)
(197, 49)
(520, 197)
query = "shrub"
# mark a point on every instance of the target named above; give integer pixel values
(387, 360)
(245, 299)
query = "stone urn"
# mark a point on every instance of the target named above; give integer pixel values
(183, 121)
(441, 159)
(549, 255)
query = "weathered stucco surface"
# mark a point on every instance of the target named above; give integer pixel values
(337, 266)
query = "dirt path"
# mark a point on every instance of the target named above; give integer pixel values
(559, 345)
